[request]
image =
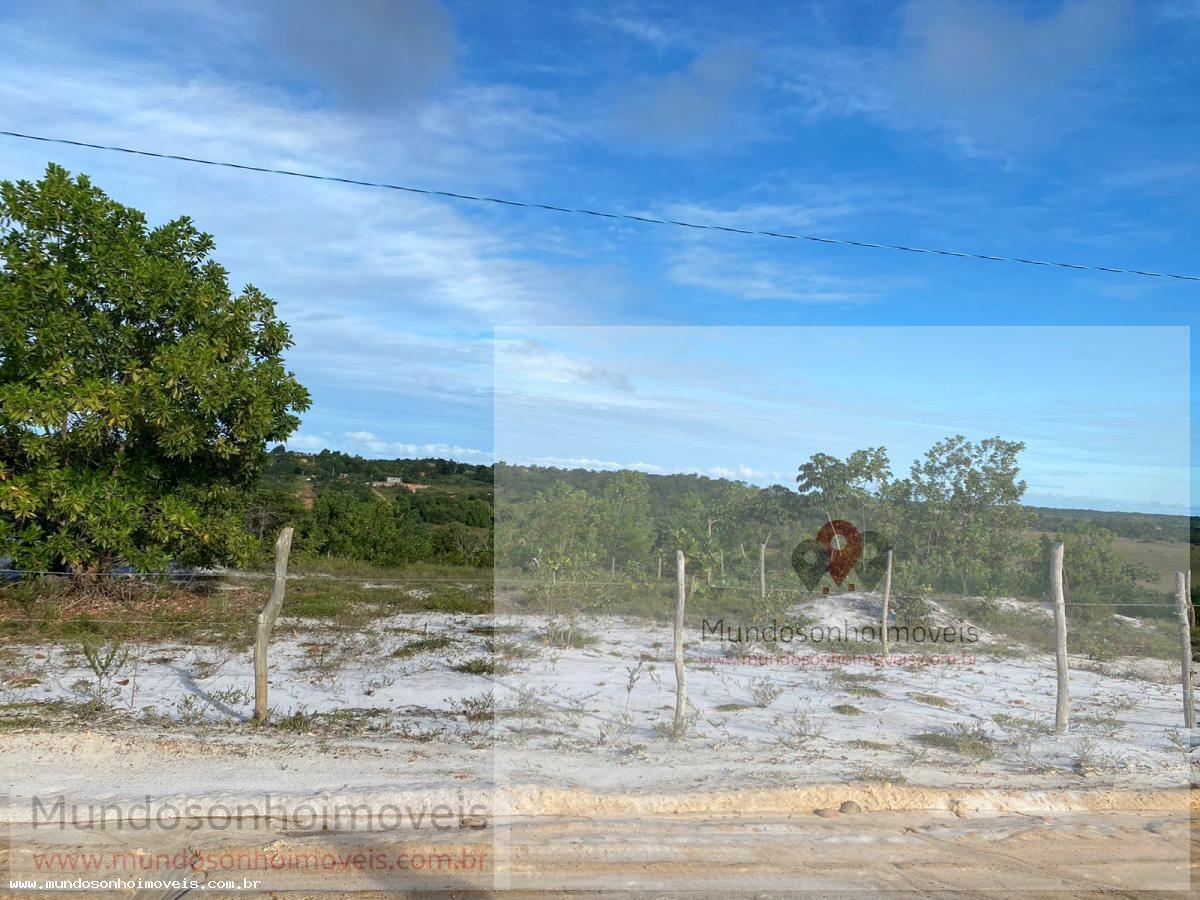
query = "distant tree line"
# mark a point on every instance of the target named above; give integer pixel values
(955, 522)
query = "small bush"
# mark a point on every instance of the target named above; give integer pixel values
(846, 709)
(970, 741)
(484, 665)
(298, 721)
(860, 744)
(797, 729)
(863, 690)
(764, 691)
(1021, 723)
(475, 709)
(932, 700)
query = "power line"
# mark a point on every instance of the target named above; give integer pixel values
(648, 220)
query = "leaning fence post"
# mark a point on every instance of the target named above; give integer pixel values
(266, 622)
(1060, 639)
(1187, 587)
(680, 682)
(887, 596)
(1182, 601)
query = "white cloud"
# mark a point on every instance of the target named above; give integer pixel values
(587, 462)
(368, 444)
(763, 279)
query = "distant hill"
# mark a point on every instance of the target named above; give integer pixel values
(521, 482)
(333, 465)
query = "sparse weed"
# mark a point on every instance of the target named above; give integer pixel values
(484, 665)
(423, 645)
(479, 708)
(1023, 724)
(764, 691)
(967, 740)
(797, 729)
(932, 700)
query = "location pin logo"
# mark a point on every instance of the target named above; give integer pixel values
(844, 544)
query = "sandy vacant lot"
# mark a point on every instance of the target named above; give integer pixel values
(497, 757)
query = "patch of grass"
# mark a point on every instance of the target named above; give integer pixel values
(932, 700)
(475, 709)
(509, 649)
(1105, 723)
(423, 645)
(732, 707)
(564, 636)
(846, 709)
(839, 677)
(970, 741)
(43, 713)
(484, 665)
(316, 606)
(1026, 724)
(860, 744)
(457, 600)
(863, 690)
(298, 722)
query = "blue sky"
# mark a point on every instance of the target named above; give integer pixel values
(1058, 130)
(1096, 406)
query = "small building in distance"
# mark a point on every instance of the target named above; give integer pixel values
(395, 481)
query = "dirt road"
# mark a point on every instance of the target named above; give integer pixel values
(1117, 854)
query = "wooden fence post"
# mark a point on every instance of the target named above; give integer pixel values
(1061, 723)
(1191, 609)
(1182, 602)
(762, 571)
(266, 622)
(887, 596)
(680, 683)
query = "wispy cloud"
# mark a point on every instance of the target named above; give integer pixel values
(365, 443)
(766, 279)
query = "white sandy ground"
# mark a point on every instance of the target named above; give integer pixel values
(581, 791)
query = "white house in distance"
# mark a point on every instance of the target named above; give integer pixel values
(395, 481)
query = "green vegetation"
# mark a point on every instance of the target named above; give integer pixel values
(138, 395)
(970, 741)
(137, 391)
(932, 700)
(424, 645)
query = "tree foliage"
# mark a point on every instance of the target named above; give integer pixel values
(137, 391)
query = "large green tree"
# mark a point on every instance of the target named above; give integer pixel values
(962, 516)
(624, 530)
(137, 391)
